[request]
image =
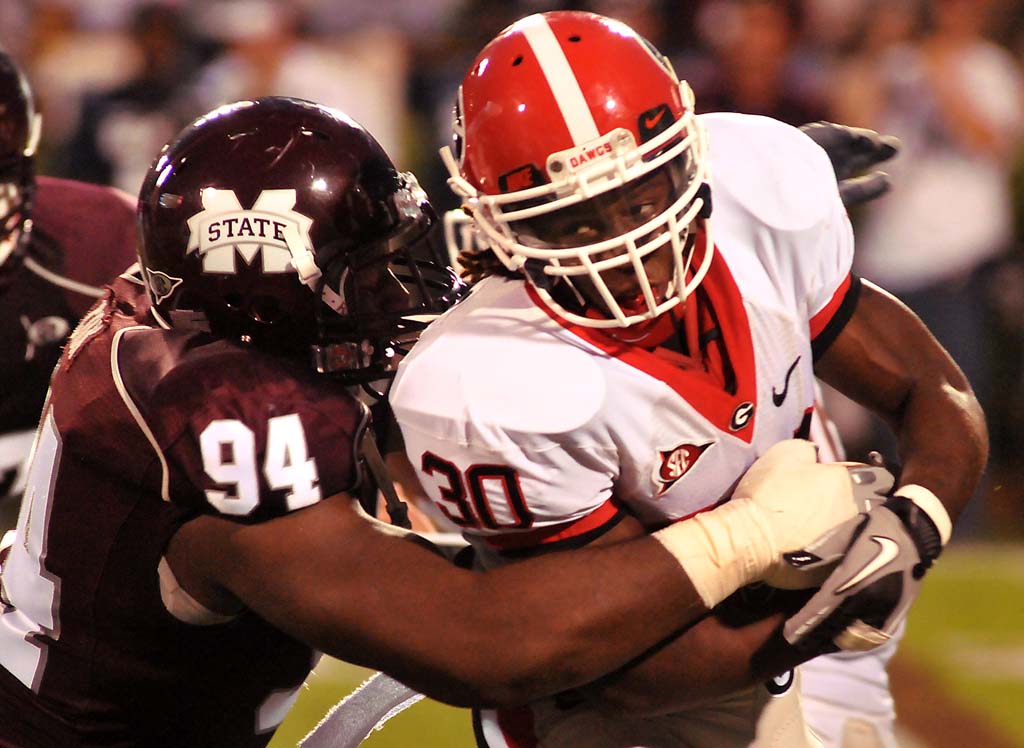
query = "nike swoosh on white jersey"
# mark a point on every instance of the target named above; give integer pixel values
(888, 549)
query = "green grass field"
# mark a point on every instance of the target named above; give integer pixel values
(966, 632)
(426, 724)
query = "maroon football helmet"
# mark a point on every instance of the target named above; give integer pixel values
(283, 224)
(19, 135)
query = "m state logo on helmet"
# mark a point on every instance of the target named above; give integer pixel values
(224, 231)
(563, 107)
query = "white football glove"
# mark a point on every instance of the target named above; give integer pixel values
(831, 493)
(882, 556)
(845, 490)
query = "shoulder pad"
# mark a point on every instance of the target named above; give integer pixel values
(769, 169)
(503, 369)
(240, 433)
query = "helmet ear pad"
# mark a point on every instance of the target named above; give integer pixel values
(274, 222)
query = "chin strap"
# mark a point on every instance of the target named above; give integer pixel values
(303, 259)
(398, 510)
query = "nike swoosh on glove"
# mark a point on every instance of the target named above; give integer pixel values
(883, 555)
(854, 153)
(872, 485)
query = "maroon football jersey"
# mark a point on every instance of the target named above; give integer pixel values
(144, 429)
(83, 236)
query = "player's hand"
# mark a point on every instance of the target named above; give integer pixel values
(801, 499)
(854, 153)
(884, 554)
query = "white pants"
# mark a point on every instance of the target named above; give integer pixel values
(770, 721)
(846, 698)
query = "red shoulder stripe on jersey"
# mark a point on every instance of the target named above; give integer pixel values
(604, 517)
(826, 325)
(822, 318)
(699, 388)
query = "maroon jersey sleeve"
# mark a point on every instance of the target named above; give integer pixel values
(244, 435)
(91, 226)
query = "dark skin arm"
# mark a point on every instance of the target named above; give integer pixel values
(710, 660)
(886, 360)
(354, 589)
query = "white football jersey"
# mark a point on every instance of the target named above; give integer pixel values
(527, 429)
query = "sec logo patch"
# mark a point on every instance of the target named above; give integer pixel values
(675, 463)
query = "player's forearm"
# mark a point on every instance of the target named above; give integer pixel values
(332, 577)
(706, 662)
(943, 442)
(540, 627)
(468, 638)
(940, 427)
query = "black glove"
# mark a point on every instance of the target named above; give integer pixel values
(854, 151)
(884, 554)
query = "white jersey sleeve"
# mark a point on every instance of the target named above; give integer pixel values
(506, 430)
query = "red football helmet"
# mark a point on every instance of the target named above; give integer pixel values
(19, 136)
(578, 154)
(283, 224)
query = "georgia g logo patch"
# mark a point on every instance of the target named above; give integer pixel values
(675, 463)
(224, 230)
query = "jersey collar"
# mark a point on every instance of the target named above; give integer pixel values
(733, 413)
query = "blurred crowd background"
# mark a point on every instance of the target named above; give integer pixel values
(115, 79)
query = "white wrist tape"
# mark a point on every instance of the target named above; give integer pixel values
(929, 503)
(720, 550)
